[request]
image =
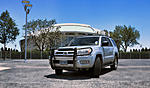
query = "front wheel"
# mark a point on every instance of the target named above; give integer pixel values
(58, 71)
(115, 64)
(97, 68)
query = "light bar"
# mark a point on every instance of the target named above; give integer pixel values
(28, 5)
(25, 1)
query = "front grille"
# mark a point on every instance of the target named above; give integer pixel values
(63, 55)
(67, 52)
(66, 49)
(70, 52)
(59, 52)
(64, 52)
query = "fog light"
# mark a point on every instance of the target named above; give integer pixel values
(84, 61)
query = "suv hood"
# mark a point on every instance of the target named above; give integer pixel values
(72, 47)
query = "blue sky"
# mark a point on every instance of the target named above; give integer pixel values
(101, 14)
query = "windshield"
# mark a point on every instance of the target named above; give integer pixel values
(84, 41)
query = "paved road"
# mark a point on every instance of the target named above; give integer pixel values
(38, 74)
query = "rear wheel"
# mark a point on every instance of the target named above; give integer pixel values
(58, 71)
(97, 68)
(115, 64)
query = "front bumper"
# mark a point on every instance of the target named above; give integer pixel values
(72, 61)
(79, 62)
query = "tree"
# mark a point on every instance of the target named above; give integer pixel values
(2, 49)
(142, 50)
(149, 49)
(5, 48)
(146, 49)
(8, 49)
(106, 32)
(41, 33)
(139, 50)
(54, 38)
(8, 29)
(125, 36)
(116, 36)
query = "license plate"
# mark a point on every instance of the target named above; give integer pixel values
(63, 62)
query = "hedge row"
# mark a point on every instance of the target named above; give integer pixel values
(21, 55)
(134, 55)
(45, 55)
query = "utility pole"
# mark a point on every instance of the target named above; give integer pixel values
(27, 8)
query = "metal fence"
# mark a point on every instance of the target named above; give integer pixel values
(46, 54)
(134, 55)
(21, 55)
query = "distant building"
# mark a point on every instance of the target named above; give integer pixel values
(70, 30)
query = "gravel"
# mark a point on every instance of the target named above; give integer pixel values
(133, 73)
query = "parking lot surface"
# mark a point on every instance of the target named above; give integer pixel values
(38, 74)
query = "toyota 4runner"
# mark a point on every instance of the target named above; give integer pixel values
(89, 52)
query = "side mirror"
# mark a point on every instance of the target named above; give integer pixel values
(96, 42)
(105, 43)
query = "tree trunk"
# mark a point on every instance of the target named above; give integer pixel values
(4, 50)
(125, 49)
(41, 54)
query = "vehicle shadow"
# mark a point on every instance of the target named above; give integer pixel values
(75, 75)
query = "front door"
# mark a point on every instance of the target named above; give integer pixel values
(107, 50)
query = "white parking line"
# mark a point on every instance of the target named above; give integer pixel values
(4, 68)
(133, 66)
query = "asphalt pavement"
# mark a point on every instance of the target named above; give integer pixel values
(131, 73)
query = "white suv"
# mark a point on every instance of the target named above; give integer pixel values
(88, 52)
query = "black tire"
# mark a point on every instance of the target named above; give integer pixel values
(115, 64)
(97, 68)
(58, 71)
(51, 63)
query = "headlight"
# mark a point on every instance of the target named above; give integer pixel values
(84, 51)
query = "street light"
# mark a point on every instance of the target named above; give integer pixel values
(27, 8)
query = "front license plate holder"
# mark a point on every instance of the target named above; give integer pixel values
(64, 62)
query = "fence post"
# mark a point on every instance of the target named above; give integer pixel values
(130, 55)
(139, 55)
(120, 55)
(20, 55)
(30, 54)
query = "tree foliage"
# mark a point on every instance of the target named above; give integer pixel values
(43, 34)
(125, 36)
(8, 29)
(54, 38)
(116, 36)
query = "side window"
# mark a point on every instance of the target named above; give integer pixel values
(110, 44)
(103, 39)
(113, 42)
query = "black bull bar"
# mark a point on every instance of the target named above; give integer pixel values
(53, 56)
